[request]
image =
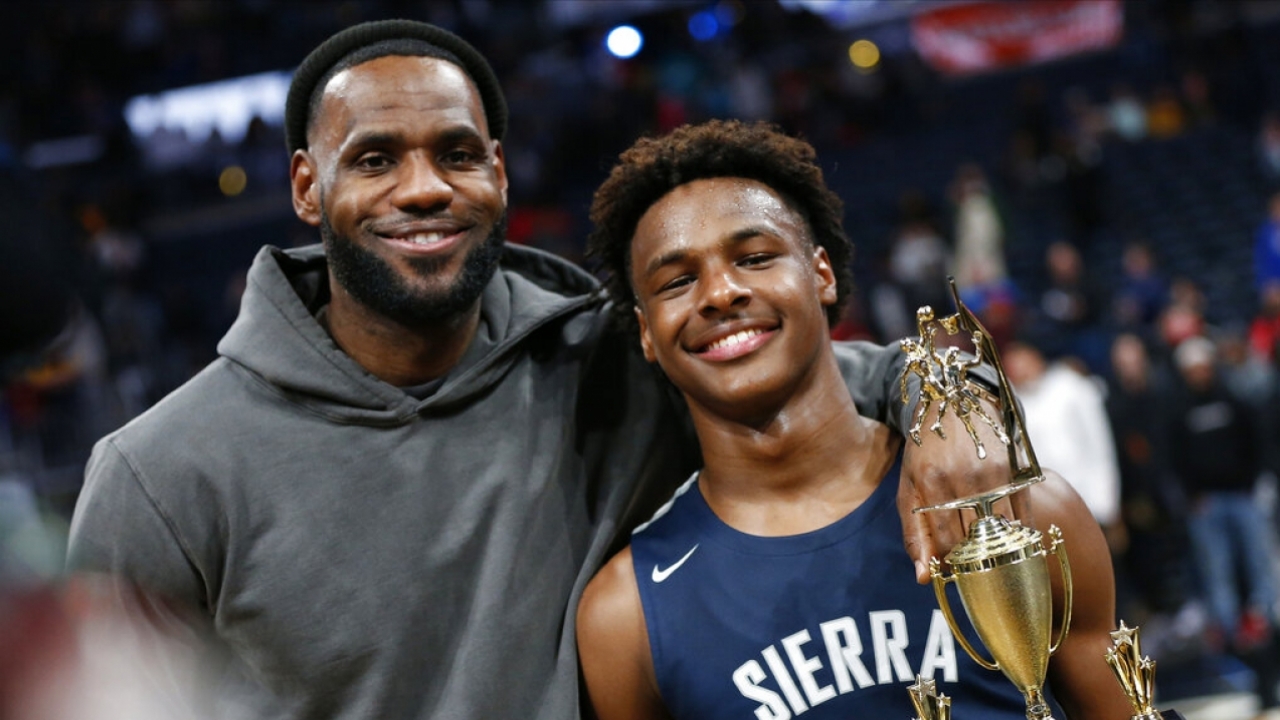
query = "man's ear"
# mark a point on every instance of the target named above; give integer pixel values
(500, 168)
(827, 290)
(646, 342)
(303, 175)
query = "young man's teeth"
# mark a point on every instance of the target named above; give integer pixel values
(734, 339)
(426, 238)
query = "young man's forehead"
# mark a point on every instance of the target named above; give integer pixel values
(694, 206)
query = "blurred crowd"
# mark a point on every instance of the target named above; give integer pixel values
(1161, 400)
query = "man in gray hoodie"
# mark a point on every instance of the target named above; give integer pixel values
(385, 497)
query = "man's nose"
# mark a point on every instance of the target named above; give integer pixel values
(723, 291)
(421, 185)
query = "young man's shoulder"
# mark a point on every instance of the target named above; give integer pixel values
(613, 595)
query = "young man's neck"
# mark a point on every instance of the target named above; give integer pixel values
(807, 465)
(394, 353)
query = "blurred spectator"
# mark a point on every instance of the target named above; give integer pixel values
(36, 272)
(1246, 374)
(32, 546)
(1183, 317)
(1142, 291)
(918, 262)
(1198, 98)
(1264, 330)
(1269, 146)
(1033, 119)
(1127, 115)
(979, 230)
(1266, 246)
(1088, 123)
(1165, 115)
(1216, 455)
(1071, 307)
(1154, 569)
(1082, 184)
(62, 404)
(1068, 426)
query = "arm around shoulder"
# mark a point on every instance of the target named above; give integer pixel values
(1081, 680)
(873, 374)
(613, 646)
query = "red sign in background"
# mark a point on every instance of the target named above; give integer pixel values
(982, 36)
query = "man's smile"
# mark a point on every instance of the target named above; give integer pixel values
(424, 238)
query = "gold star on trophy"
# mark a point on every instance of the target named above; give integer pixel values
(929, 704)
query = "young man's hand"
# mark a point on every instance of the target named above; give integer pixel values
(940, 470)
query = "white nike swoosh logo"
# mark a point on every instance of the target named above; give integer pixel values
(660, 575)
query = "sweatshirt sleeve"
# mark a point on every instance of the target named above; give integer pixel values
(874, 376)
(119, 530)
(873, 373)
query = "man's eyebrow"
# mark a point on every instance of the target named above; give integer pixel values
(461, 133)
(383, 138)
(751, 231)
(373, 138)
(737, 236)
(667, 258)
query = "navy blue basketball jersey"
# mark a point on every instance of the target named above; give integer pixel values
(829, 623)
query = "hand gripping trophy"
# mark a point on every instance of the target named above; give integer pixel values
(1001, 568)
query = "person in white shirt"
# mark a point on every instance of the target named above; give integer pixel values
(1066, 419)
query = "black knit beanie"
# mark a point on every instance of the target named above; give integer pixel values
(328, 53)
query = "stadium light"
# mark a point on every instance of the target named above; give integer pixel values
(624, 41)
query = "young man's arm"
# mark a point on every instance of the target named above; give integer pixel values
(1081, 680)
(613, 646)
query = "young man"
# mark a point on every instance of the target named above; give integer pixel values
(386, 495)
(773, 584)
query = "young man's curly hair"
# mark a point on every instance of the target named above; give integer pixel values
(719, 148)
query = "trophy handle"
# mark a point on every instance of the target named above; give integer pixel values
(1058, 547)
(940, 589)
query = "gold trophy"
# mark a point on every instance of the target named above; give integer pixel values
(1001, 568)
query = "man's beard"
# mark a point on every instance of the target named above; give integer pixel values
(375, 284)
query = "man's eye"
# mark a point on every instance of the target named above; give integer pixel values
(460, 157)
(373, 161)
(756, 259)
(676, 283)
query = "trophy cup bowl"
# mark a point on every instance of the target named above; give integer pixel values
(1001, 572)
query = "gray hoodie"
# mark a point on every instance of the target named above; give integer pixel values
(360, 553)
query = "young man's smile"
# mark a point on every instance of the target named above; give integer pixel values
(734, 340)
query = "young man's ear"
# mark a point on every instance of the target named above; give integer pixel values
(827, 290)
(646, 342)
(305, 188)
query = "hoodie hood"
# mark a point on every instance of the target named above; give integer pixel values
(277, 338)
